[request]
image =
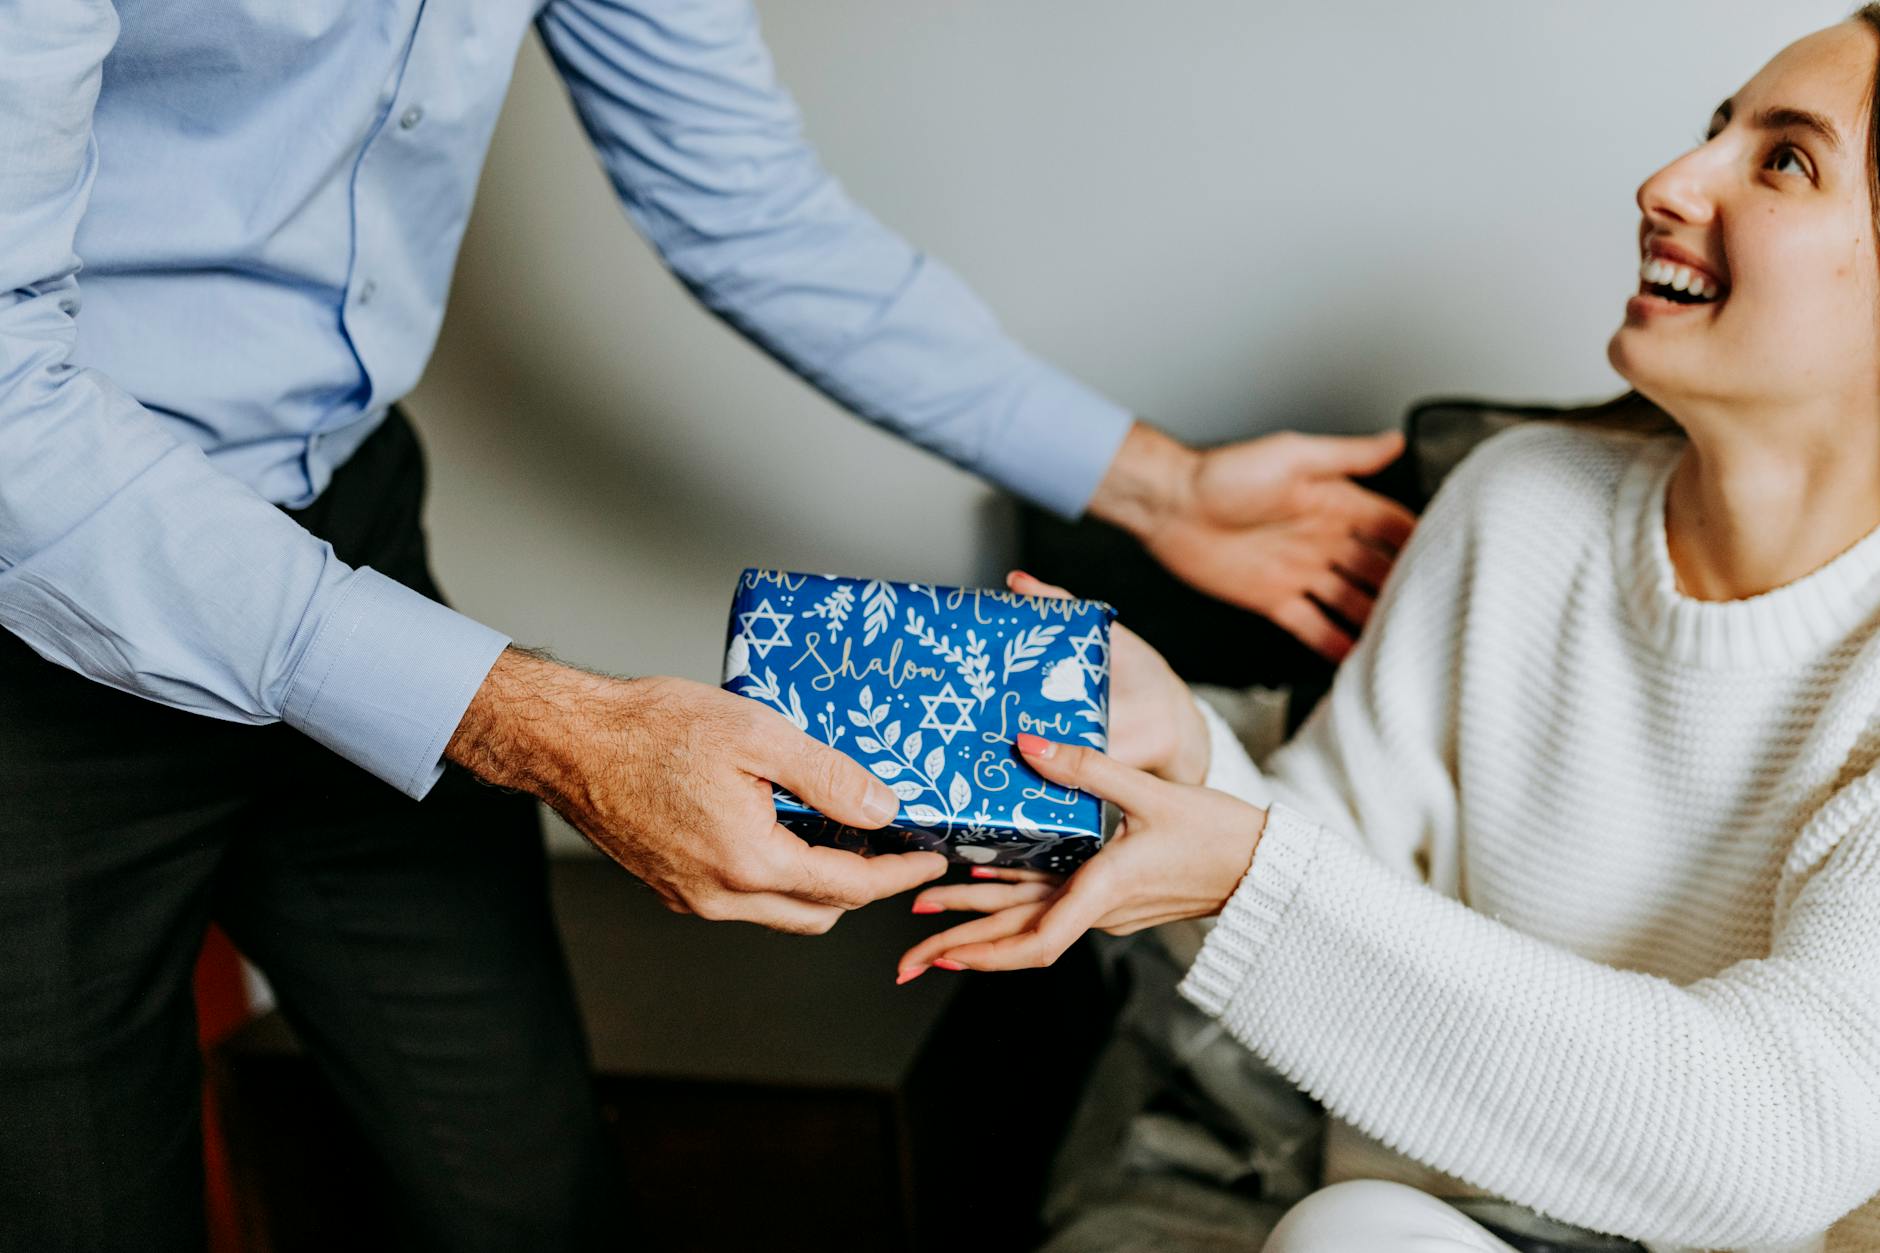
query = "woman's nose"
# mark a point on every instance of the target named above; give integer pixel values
(1679, 191)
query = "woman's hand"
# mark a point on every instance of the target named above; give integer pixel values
(1179, 853)
(1154, 724)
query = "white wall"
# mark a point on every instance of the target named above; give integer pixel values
(1231, 215)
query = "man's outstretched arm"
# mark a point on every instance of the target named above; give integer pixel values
(707, 153)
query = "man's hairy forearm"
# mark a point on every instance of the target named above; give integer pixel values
(522, 728)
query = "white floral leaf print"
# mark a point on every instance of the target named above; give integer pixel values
(878, 604)
(1023, 650)
(796, 714)
(936, 760)
(886, 769)
(1095, 737)
(879, 714)
(865, 697)
(959, 792)
(859, 719)
(910, 747)
(893, 732)
(835, 608)
(868, 743)
(907, 789)
(924, 815)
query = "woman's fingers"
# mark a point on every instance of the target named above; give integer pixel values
(1057, 926)
(991, 927)
(1025, 585)
(1087, 770)
(1015, 874)
(981, 898)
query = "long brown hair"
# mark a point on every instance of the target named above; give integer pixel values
(1633, 412)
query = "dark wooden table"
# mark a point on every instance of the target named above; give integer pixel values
(764, 1091)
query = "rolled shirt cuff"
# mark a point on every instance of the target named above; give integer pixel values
(1057, 445)
(387, 679)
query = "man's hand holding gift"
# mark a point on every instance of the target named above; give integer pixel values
(672, 780)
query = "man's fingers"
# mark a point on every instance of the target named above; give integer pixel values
(981, 898)
(1362, 564)
(1347, 599)
(849, 880)
(1353, 456)
(774, 910)
(1308, 623)
(1380, 519)
(832, 783)
(1088, 770)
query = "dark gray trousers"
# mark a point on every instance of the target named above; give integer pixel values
(410, 945)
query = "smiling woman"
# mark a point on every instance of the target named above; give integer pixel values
(1565, 901)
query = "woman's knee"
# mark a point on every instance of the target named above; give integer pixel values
(1373, 1215)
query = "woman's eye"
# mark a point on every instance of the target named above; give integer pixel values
(1787, 160)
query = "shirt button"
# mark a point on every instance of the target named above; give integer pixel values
(367, 290)
(411, 117)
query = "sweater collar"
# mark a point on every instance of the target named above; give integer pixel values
(1792, 623)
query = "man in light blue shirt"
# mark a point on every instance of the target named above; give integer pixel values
(266, 201)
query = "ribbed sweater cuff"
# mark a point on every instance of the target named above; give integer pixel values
(1283, 859)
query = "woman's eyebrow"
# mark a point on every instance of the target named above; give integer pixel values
(1782, 117)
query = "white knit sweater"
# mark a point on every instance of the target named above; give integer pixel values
(1571, 887)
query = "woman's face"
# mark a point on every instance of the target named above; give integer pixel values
(1768, 229)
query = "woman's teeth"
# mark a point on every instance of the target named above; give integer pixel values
(1680, 280)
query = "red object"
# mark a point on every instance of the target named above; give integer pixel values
(221, 1007)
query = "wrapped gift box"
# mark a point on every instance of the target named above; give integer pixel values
(928, 687)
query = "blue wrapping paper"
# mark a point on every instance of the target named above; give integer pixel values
(928, 687)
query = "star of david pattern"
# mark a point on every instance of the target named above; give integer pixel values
(779, 633)
(1092, 641)
(962, 713)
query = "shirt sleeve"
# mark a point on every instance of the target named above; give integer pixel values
(1737, 1111)
(707, 153)
(126, 556)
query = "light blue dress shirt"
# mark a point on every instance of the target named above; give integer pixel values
(266, 198)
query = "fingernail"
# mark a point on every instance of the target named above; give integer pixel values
(947, 964)
(926, 907)
(881, 806)
(908, 974)
(1034, 745)
(984, 872)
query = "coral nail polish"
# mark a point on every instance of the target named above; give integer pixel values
(909, 974)
(982, 872)
(926, 907)
(945, 964)
(1033, 745)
